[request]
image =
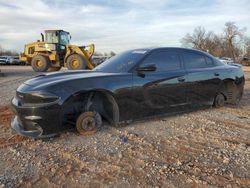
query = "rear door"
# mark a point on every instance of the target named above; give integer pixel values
(203, 80)
(158, 91)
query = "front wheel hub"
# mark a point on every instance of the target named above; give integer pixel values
(75, 64)
(88, 122)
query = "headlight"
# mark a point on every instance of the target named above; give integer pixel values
(43, 97)
(39, 97)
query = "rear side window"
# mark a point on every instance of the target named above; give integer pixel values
(195, 60)
(164, 60)
(209, 61)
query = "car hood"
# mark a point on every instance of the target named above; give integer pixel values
(57, 77)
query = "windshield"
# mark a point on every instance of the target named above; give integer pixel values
(122, 62)
(64, 38)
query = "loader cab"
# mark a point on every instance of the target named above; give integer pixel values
(59, 38)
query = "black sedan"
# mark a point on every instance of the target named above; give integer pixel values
(132, 85)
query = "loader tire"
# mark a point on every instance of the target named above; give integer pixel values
(53, 69)
(40, 63)
(76, 62)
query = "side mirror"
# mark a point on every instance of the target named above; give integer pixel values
(147, 68)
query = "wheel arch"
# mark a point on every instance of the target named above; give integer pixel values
(100, 100)
(224, 87)
(231, 90)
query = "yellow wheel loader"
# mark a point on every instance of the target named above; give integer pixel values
(54, 52)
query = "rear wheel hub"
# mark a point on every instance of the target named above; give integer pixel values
(219, 100)
(39, 63)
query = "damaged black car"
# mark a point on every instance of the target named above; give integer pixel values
(130, 86)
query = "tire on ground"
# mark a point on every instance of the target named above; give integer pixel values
(76, 62)
(219, 100)
(40, 63)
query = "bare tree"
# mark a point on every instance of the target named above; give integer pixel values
(231, 43)
(246, 50)
(203, 40)
(196, 39)
(7, 52)
(231, 32)
(200, 39)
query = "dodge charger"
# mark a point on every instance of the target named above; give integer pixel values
(130, 86)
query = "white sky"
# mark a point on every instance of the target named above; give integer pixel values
(117, 25)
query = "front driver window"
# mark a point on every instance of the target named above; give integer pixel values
(164, 60)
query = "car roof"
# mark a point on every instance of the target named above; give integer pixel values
(173, 48)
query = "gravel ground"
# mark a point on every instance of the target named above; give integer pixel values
(12, 78)
(206, 148)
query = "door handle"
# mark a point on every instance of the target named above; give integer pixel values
(181, 79)
(216, 74)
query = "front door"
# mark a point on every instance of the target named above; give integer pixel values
(158, 92)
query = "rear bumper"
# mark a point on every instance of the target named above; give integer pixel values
(36, 121)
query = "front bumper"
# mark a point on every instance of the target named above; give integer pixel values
(36, 121)
(17, 126)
